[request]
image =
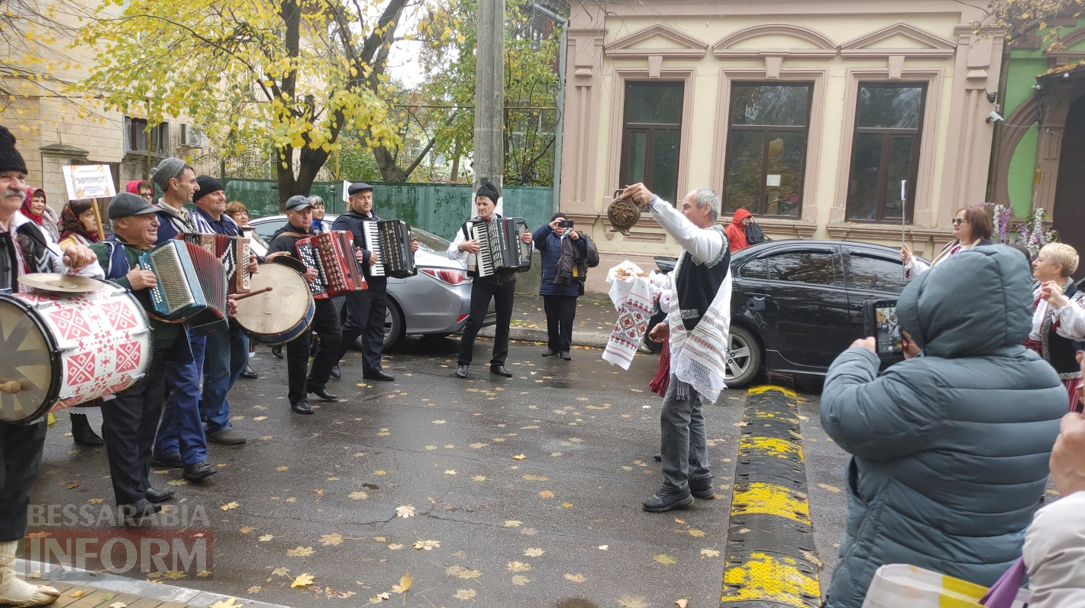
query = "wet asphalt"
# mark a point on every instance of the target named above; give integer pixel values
(516, 492)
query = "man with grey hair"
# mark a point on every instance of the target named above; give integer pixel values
(697, 326)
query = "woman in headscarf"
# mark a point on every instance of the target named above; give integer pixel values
(37, 211)
(78, 224)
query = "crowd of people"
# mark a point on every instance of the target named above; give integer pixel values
(951, 448)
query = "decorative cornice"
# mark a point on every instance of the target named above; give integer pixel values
(887, 232)
(824, 46)
(937, 46)
(622, 48)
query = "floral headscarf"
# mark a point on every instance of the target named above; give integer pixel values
(70, 222)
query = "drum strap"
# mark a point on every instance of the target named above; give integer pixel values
(118, 264)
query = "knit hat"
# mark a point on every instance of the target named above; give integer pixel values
(207, 185)
(10, 159)
(489, 191)
(560, 214)
(166, 170)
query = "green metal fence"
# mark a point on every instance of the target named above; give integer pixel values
(436, 208)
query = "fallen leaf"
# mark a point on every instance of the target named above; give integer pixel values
(247, 529)
(512, 523)
(428, 545)
(303, 581)
(663, 558)
(832, 489)
(255, 589)
(533, 552)
(95, 501)
(230, 506)
(77, 594)
(709, 553)
(438, 422)
(520, 580)
(405, 511)
(228, 603)
(178, 482)
(265, 538)
(478, 478)
(404, 584)
(477, 445)
(260, 418)
(465, 594)
(280, 571)
(682, 603)
(71, 486)
(331, 539)
(300, 552)
(461, 572)
(519, 457)
(379, 473)
(576, 578)
(604, 547)
(118, 605)
(696, 533)
(518, 567)
(630, 601)
(546, 494)
(380, 597)
(282, 468)
(395, 546)
(450, 472)
(358, 495)
(535, 478)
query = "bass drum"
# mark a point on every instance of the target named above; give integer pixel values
(59, 350)
(280, 315)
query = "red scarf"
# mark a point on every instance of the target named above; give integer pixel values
(26, 205)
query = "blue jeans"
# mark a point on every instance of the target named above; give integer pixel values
(225, 358)
(683, 444)
(181, 429)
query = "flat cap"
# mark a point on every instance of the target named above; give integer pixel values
(126, 204)
(358, 187)
(297, 203)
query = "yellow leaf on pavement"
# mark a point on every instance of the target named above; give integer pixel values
(230, 506)
(331, 539)
(380, 597)
(520, 580)
(533, 552)
(228, 603)
(663, 558)
(404, 584)
(303, 581)
(300, 552)
(576, 578)
(630, 601)
(428, 545)
(546, 494)
(405, 511)
(519, 457)
(465, 594)
(280, 571)
(512, 523)
(682, 603)
(358, 496)
(518, 567)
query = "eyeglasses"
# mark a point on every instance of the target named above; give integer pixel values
(958, 221)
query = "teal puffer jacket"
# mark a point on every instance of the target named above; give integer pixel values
(950, 449)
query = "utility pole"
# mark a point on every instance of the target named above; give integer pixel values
(489, 155)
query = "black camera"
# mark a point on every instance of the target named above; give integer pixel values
(565, 223)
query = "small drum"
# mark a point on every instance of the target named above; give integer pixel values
(59, 350)
(280, 315)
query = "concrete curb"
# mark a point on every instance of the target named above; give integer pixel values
(588, 339)
(131, 586)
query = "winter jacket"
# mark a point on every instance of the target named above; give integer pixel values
(1055, 554)
(736, 232)
(550, 247)
(950, 449)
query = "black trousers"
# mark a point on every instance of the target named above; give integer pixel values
(482, 292)
(20, 456)
(365, 317)
(560, 312)
(326, 325)
(129, 422)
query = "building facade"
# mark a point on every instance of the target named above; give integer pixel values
(859, 120)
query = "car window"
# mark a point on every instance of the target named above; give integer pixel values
(876, 273)
(754, 269)
(815, 267)
(266, 229)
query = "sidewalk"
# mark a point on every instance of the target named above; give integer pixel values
(83, 589)
(595, 317)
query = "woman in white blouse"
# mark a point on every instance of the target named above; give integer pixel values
(971, 228)
(1058, 320)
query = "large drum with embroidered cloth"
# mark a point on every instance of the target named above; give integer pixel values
(62, 349)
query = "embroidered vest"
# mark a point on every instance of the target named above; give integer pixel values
(698, 282)
(1060, 352)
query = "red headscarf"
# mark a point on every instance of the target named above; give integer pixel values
(30, 192)
(133, 187)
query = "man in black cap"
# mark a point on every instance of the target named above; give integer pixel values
(299, 215)
(21, 444)
(500, 287)
(226, 353)
(365, 309)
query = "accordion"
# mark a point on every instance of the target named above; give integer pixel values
(501, 247)
(391, 239)
(191, 285)
(332, 255)
(232, 251)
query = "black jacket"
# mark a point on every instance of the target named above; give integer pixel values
(287, 242)
(353, 222)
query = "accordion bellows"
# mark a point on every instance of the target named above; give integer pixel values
(332, 255)
(232, 251)
(191, 284)
(500, 245)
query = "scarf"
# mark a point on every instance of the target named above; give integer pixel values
(72, 225)
(47, 221)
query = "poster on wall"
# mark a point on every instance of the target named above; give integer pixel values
(89, 181)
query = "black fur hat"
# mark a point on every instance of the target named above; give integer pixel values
(10, 159)
(489, 191)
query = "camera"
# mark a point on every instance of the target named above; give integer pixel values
(565, 223)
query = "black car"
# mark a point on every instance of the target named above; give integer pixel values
(798, 304)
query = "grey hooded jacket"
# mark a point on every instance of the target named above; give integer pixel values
(950, 449)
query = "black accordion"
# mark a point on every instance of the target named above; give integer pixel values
(500, 246)
(391, 239)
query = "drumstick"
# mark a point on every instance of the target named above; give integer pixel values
(253, 293)
(14, 386)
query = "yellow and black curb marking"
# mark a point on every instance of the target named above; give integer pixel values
(770, 558)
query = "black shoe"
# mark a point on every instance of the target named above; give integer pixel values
(549, 352)
(249, 373)
(379, 375)
(82, 433)
(658, 457)
(565, 355)
(199, 470)
(702, 488)
(154, 495)
(301, 407)
(336, 373)
(172, 461)
(499, 370)
(138, 510)
(461, 371)
(323, 394)
(277, 351)
(227, 437)
(665, 501)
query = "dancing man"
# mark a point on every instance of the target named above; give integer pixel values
(697, 326)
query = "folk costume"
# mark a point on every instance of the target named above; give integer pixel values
(1057, 333)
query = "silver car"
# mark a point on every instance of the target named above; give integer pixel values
(435, 302)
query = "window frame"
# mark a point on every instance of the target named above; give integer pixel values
(762, 205)
(888, 136)
(651, 129)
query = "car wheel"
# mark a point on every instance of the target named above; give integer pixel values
(394, 327)
(743, 358)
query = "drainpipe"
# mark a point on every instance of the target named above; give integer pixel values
(561, 100)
